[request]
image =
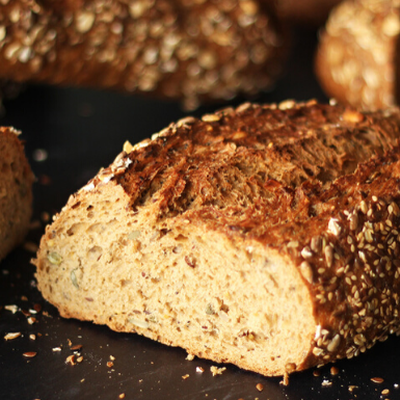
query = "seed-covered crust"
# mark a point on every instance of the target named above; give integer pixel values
(312, 189)
(16, 180)
(177, 49)
(357, 60)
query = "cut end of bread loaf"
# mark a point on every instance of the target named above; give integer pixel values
(184, 286)
(245, 237)
(16, 180)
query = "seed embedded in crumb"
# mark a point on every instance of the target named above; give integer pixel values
(190, 357)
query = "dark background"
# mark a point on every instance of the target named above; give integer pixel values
(81, 131)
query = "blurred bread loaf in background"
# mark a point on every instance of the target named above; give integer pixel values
(16, 180)
(358, 56)
(193, 51)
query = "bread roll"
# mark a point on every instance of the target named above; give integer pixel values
(190, 50)
(358, 56)
(263, 236)
(16, 180)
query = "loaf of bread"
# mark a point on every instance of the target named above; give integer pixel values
(358, 56)
(190, 50)
(16, 180)
(265, 236)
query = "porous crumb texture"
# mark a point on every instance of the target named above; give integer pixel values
(16, 180)
(264, 236)
(182, 49)
(358, 56)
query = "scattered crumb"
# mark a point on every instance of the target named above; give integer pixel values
(285, 380)
(24, 298)
(31, 320)
(69, 342)
(76, 348)
(334, 370)
(82, 380)
(40, 155)
(45, 216)
(110, 364)
(352, 388)
(377, 380)
(326, 383)
(56, 349)
(30, 354)
(385, 391)
(396, 385)
(71, 360)
(184, 377)
(260, 387)
(217, 371)
(13, 308)
(79, 359)
(112, 358)
(32, 336)
(316, 372)
(12, 335)
(190, 357)
(121, 396)
(200, 369)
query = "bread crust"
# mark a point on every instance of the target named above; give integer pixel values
(193, 51)
(16, 179)
(311, 189)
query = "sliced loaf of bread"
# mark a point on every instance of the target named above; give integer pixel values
(265, 236)
(16, 180)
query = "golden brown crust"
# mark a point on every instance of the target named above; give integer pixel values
(178, 49)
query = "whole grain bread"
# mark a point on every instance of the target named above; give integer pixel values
(358, 60)
(16, 180)
(266, 236)
(181, 49)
